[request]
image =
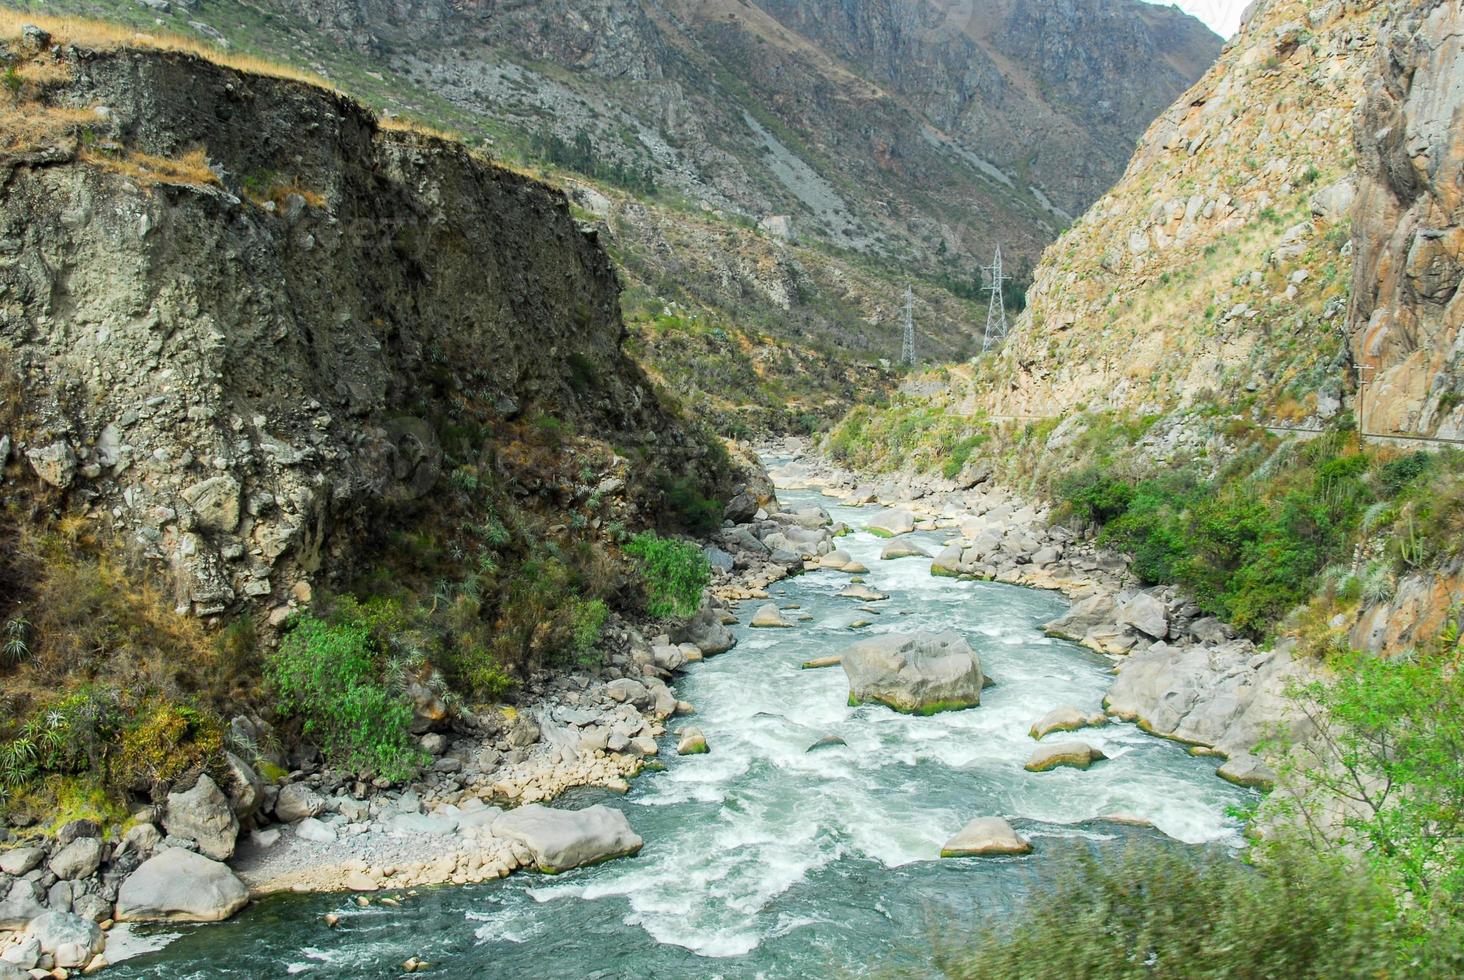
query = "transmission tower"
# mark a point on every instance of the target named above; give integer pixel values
(996, 318)
(907, 352)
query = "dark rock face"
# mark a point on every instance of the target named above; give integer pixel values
(1408, 226)
(861, 120)
(240, 384)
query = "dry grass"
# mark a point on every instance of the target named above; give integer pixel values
(26, 128)
(101, 36)
(189, 170)
(278, 193)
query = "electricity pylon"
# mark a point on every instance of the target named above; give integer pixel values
(996, 318)
(907, 351)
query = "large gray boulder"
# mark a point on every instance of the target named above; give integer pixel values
(70, 939)
(985, 837)
(79, 859)
(180, 886)
(246, 791)
(564, 839)
(917, 673)
(706, 632)
(1083, 617)
(19, 860)
(203, 814)
(21, 904)
(1147, 614)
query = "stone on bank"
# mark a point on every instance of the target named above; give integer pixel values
(563, 839)
(180, 886)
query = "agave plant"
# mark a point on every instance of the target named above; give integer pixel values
(15, 647)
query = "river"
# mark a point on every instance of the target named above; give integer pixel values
(763, 859)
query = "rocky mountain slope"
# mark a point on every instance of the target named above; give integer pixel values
(1263, 306)
(861, 121)
(1404, 320)
(1215, 265)
(768, 172)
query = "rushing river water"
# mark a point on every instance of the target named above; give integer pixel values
(763, 859)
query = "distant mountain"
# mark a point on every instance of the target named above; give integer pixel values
(906, 129)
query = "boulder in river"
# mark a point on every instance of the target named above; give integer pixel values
(180, 886)
(985, 837)
(827, 742)
(901, 549)
(564, 839)
(769, 617)
(862, 593)
(691, 742)
(1066, 719)
(1077, 755)
(1085, 615)
(891, 523)
(915, 673)
(1244, 769)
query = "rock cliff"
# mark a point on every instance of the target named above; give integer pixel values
(238, 318)
(1406, 310)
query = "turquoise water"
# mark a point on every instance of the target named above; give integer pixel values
(765, 860)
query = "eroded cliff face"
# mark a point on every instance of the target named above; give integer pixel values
(1408, 228)
(239, 369)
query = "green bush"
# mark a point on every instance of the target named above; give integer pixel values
(333, 677)
(674, 572)
(1250, 543)
(686, 505)
(1095, 495)
(1389, 748)
(1158, 911)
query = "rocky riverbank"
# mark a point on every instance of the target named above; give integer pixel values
(1179, 674)
(477, 812)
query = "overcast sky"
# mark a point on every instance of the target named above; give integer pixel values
(1223, 16)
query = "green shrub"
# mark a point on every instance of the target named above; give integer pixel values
(674, 573)
(1389, 748)
(333, 677)
(686, 505)
(164, 741)
(1095, 495)
(1158, 911)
